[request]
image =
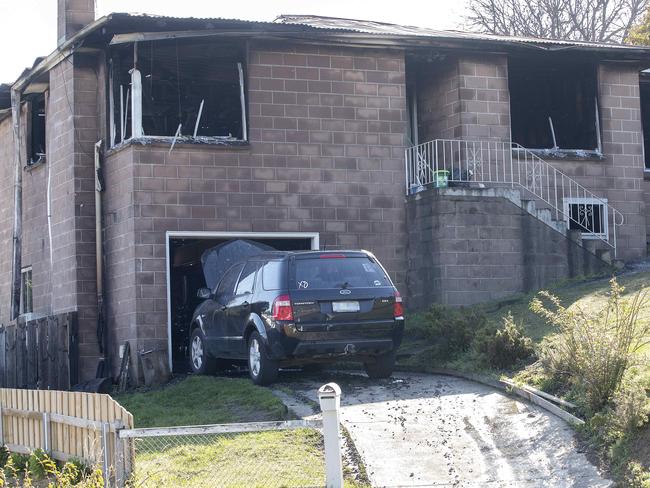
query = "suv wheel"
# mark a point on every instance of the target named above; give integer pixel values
(381, 367)
(261, 369)
(200, 361)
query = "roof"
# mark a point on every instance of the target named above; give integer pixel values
(331, 29)
(382, 28)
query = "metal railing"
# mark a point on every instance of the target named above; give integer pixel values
(456, 162)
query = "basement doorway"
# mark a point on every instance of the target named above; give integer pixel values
(185, 277)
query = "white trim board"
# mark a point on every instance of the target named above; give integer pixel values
(313, 236)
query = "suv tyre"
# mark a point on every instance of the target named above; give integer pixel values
(381, 367)
(261, 368)
(200, 361)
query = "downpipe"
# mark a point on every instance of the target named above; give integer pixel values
(102, 334)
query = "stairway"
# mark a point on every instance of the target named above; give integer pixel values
(543, 191)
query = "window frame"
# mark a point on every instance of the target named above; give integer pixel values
(26, 271)
(30, 159)
(118, 130)
(602, 202)
(234, 288)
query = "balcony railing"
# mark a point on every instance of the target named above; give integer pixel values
(492, 163)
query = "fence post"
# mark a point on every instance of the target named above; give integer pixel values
(46, 432)
(329, 396)
(105, 464)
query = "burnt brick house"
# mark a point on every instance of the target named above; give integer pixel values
(473, 166)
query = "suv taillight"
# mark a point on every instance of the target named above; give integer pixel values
(398, 308)
(282, 309)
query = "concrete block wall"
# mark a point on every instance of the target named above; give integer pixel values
(468, 246)
(484, 97)
(72, 133)
(464, 97)
(326, 152)
(439, 106)
(6, 214)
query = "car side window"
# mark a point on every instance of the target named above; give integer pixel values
(247, 279)
(226, 287)
(272, 274)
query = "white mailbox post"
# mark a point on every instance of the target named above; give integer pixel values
(329, 396)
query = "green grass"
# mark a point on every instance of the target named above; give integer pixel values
(198, 400)
(291, 458)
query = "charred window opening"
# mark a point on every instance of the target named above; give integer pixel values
(36, 129)
(179, 89)
(553, 104)
(644, 92)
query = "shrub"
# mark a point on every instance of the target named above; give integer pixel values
(4, 456)
(451, 330)
(636, 476)
(506, 346)
(593, 348)
(40, 465)
(17, 463)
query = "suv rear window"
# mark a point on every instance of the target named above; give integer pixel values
(321, 273)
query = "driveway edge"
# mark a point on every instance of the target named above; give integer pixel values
(511, 388)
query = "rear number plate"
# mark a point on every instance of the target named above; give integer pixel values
(345, 306)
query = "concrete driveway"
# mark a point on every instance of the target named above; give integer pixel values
(426, 430)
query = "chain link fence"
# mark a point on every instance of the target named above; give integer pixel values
(265, 454)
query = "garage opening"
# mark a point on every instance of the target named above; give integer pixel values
(185, 277)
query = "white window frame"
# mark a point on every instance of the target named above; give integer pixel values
(589, 201)
(23, 273)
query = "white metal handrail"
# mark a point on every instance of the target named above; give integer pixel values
(496, 163)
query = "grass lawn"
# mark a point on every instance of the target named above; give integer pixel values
(292, 458)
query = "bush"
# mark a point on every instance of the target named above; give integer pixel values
(506, 346)
(450, 330)
(40, 465)
(4, 456)
(636, 476)
(593, 348)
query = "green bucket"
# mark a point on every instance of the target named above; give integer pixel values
(441, 178)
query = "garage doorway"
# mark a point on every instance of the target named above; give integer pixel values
(185, 276)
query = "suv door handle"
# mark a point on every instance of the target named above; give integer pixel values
(224, 307)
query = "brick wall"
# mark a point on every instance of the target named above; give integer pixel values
(6, 214)
(72, 132)
(326, 155)
(439, 107)
(464, 98)
(470, 246)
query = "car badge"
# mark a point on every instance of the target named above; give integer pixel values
(344, 292)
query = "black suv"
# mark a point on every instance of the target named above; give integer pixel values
(299, 308)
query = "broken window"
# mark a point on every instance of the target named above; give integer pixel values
(36, 129)
(644, 93)
(588, 215)
(26, 302)
(179, 89)
(553, 104)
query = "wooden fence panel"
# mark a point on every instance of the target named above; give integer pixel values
(75, 425)
(39, 354)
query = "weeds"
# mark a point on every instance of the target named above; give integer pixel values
(506, 346)
(593, 349)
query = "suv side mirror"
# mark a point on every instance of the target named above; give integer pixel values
(204, 293)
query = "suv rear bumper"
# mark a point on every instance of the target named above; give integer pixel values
(287, 347)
